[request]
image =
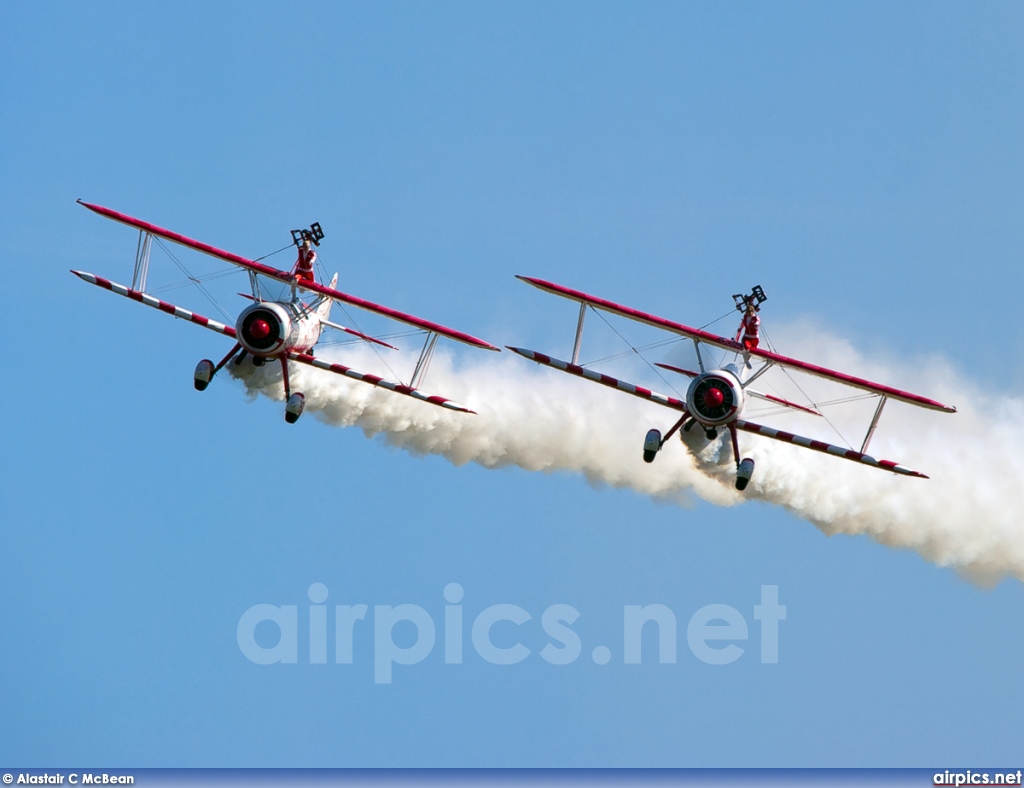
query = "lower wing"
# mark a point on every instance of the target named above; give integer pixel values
(598, 377)
(373, 380)
(302, 358)
(826, 448)
(746, 426)
(156, 303)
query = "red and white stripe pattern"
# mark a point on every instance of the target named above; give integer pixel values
(826, 448)
(156, 303)
(597, 377)
(373, 380)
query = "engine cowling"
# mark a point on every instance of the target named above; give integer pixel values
(270, 327)
(715, 398)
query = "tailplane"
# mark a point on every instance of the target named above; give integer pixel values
(324, 310)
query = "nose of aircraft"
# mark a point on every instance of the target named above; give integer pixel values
(260, 330)
(713, 398)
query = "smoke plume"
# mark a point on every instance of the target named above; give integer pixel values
(965, 517)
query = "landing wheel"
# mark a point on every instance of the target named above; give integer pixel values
(711, 434)
(258, 361)
(743, 473)
(652, 445)
(293, 407)
(203, 375)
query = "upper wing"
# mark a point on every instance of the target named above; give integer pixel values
(284, 276)
(729, 344)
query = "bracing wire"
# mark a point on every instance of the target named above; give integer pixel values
(638, 353)
(199, 285)
(221, 274)
(800, 389)
(373, 346)
(271, 254)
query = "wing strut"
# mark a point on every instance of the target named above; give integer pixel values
(874, 423)
(423, 364)
(756, 375)
(700, 359)
(142, 260)
(255, 284)
(579, 334)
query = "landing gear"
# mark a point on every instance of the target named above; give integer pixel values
(203, 375)
(294, 403)
(293, 407)
(711, 434)
(205, 369)
(743, 473)
(258, 361)
(654, 441)
(744, 467)
(652, 445)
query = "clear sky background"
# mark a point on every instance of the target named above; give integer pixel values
(862, 161)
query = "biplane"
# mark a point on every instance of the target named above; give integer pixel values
(715, 397)
(283, 329)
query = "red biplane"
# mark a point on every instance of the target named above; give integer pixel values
(285, 329)
(715, 398)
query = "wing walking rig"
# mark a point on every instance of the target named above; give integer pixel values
(285, 330)
(715, 398)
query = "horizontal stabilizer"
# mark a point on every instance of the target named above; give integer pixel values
(756, 394)
(353, 332)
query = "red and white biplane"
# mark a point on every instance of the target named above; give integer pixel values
(715, 398)
(285, 329)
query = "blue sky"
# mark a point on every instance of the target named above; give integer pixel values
(860, 161)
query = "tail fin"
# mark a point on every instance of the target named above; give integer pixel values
(324, 310)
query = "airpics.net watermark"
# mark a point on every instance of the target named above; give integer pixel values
(712, 633)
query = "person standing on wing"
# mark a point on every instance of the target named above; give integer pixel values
(746, 335)
(304, 265)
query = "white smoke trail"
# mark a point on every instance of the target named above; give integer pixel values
(965, 517)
